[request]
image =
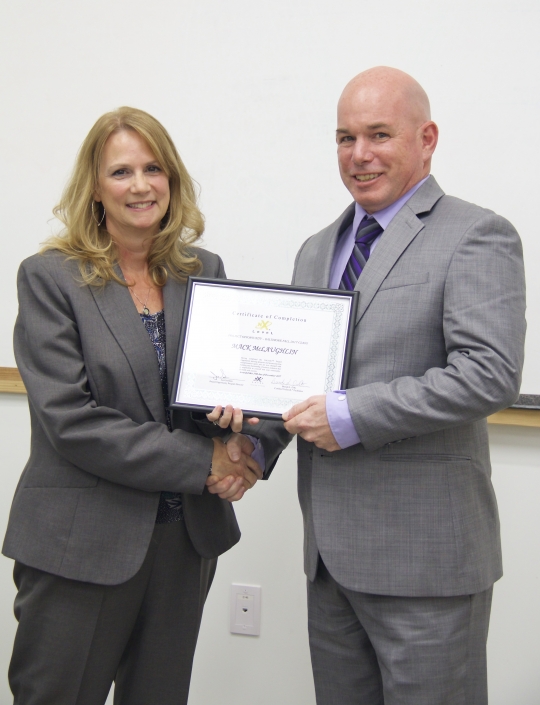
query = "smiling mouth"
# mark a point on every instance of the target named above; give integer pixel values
(140, 206)
(366, 177)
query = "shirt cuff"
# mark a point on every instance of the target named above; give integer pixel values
(258, 451)
(339, 418)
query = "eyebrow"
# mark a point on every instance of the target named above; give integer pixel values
(128, 166)
(373, 126)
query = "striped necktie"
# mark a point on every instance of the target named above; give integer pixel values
(368, 231)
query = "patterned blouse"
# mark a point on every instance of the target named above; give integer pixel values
(170, 503)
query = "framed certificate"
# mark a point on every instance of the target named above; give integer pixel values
(261, 347)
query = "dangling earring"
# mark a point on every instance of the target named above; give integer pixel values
(94, 215)
(165, 219)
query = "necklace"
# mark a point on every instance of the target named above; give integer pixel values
(145, 310)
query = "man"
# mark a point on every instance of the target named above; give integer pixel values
(402, 535)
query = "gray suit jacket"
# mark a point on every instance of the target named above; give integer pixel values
(438, 346)
(101, 452)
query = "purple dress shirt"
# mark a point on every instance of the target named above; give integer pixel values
(258, 452)
(337, 408)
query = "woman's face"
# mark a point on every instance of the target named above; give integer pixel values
(132, 186)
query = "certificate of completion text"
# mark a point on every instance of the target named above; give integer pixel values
(261, 349)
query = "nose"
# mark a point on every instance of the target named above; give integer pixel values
(362, 151)
(139, 183)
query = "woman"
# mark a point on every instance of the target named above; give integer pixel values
(114, 534)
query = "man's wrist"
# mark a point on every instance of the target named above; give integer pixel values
(258, 451)
(339, 419)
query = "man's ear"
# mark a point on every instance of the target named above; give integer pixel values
(430, 137)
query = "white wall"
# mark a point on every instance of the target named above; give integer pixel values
(248, 91)
(513, 640)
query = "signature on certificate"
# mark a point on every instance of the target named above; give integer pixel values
(221, 377)
(294, 383)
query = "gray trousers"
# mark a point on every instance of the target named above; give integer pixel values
(75, 638)
(384, 650)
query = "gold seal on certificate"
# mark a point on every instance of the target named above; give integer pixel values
(261, 347)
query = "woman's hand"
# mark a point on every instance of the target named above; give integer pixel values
(228, 416)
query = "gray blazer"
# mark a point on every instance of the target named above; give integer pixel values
(101, 452)
(438, 346)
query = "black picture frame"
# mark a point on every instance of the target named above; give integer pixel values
(352, 296)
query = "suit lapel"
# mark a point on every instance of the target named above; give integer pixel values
(124, 322)
(317, 271)
(329, 246)
(402, 230)
(396, 238)
(174, 294)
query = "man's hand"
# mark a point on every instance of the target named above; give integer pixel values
(238, 444)
(230, 488)
(231, 478)
(309, 420)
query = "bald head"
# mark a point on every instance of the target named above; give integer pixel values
(394, 85)
(385, 136)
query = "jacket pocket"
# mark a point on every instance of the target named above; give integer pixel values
(424, 458)
(408, 280)
(58, 476)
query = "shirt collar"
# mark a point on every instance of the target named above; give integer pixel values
(385, 216)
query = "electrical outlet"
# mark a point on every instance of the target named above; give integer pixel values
(245, 609)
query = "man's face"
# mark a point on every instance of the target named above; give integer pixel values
(384, 148)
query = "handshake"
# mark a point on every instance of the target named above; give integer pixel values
(233, 469)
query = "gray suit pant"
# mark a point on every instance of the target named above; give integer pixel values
(75, 638)
(385, 650)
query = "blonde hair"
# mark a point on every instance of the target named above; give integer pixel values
(89, 243)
